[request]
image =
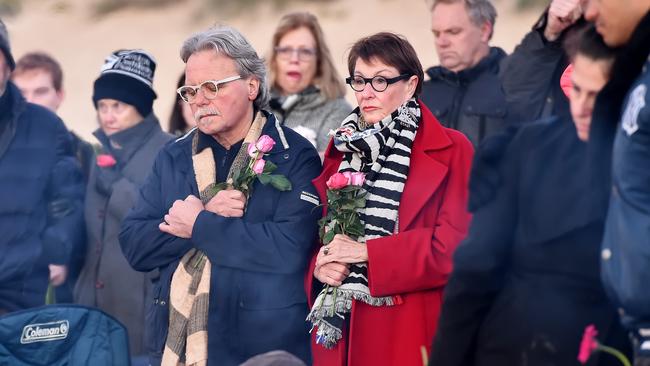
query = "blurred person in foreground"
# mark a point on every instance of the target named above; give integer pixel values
(530, 76)
(181, 121)
(231, 264)
(526, 281)
(39, 78)
(622, 151)
(386, 286)
(130, 135)
(307, 93)
(41, 190)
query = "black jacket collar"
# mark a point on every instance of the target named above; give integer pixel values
(488, 63)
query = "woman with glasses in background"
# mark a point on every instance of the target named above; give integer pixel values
(307, 94)
(386, 285)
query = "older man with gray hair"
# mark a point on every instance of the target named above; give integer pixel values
(231, 261)
(464, 91)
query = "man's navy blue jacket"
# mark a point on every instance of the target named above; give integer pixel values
(41, 197)
(257, 296)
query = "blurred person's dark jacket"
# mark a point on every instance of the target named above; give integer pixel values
(620, 156)
(530, 76)
(41, 195)
(526, 281)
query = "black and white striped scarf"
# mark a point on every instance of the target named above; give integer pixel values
(383, 152)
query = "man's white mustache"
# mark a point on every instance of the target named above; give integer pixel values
(205, 112)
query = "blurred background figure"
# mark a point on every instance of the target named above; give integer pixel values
(530, 75)
(131, 137)
(41, 190)
(622, 154)
(181, 119)
(464, 91)
(526, 284)
(306, 90)
(39, 78)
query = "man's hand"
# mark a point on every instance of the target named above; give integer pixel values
(181, 217)
(561, 15)
(58, 274)
(227, 203)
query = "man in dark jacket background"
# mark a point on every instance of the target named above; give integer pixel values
(464, 92)
(257, 247)
(41, 193)
(478, 89)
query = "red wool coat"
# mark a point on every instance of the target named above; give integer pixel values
(414, 264)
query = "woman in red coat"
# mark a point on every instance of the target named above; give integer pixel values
(389, 281)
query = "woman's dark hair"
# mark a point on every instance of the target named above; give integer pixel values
(391, 49)
(589, 43)
(177, 124)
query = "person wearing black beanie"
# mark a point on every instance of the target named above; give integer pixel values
(127, 76)
(131, 136)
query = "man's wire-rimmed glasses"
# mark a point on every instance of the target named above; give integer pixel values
(209, 88)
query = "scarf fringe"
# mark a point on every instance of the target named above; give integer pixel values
(343, 303)
(327, 335)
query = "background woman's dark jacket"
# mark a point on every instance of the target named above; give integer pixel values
(107, 281)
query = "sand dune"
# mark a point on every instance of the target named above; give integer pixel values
(68, 31)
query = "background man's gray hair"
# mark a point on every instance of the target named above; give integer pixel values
(479, 11)
(230, 42)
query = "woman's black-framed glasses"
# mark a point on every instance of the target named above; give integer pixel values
(379, 83)
(209, 88)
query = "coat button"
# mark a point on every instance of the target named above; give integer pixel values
(606, 254)
(163, 302)
(99, 284)
(286, 156)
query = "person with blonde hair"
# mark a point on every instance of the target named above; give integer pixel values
(307, 93)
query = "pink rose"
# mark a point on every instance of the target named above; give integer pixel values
(348, 175)
(105, 160)
(265, 143)
(337, 181)
(252, 151)
(258, 166)
(357, 179)
(589, 344)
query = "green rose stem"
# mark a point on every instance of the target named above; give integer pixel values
(614, 352)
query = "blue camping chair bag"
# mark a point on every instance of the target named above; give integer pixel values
(57, 335)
